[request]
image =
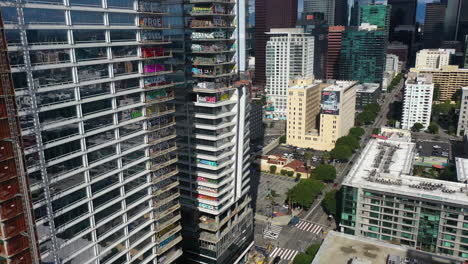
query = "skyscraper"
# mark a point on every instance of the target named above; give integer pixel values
(213, 125)
(403, 12)
(94, 84)
(335, 36)
(17, 233)
(378, 15)
(334, 10)
(270, 14)
(363, 54)
(290, 54)
(315, 25)
(433, 25)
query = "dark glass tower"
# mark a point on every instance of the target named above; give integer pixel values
(362, 55)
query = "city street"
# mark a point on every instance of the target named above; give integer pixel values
(292, 239)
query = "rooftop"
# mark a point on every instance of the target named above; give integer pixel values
(433, 148)
(385, 165)
(340, 248)
(337, 86)
(287, 31)
(367, 87)
(419, 78)
(462, 169)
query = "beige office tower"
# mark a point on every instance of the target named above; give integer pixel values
(319, 113)
(449, 80)
(433, 58)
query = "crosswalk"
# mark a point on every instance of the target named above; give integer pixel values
(283, 253)
(309, 227)
(272, 231)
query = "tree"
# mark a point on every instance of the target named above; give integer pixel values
(284, 172)
(373, 108)
(272, 125)
(376, 131)
(329, 202)
(305, 192)
(341, 152)
(433, 128)
(282, 139)
(302, 258)
(308, 155)
(350, 141)
(357, 132)
(298, 175)
(273, 169)
(324, 172)
(366, 117)
(391, 122)
(290, 173)
(312, 250)
(326, 157)
(417, 127)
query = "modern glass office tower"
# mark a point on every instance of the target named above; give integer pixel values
(213, 122)
(363, 54)
(94, 86)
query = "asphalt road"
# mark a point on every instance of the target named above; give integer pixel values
(316, 214)
(294, 238)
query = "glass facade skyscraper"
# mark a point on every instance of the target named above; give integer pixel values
(94, 85)
(97, 84)
(213, 125)
(363, 54)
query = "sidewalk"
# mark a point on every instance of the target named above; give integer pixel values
(280, 220)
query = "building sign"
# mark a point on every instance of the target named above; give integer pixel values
(330, 103)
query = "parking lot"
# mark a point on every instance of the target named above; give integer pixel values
(280, 185)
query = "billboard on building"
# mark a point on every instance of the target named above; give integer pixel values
(330, 103)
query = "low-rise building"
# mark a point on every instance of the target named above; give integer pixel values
(367, 93)
(319, 113)
(339, 248)
(287, 164)
(417, 100)
(383, 200)
(463, 118)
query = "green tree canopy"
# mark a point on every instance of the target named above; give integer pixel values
(329, 202)
(357, 132)
(391, 122)
(341, 152)
(273, 169)
(324, 172)
(305, 192)
(282, 139)
(366, 117)
(417, 127)
(350, 141)
(302, 258)
(433, 128)
(376, 131)
(373, 108)
(312, 250)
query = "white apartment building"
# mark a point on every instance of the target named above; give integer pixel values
(289, 54)
(463, 120)
(433, 58)
(392, 64)
(417, 103)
